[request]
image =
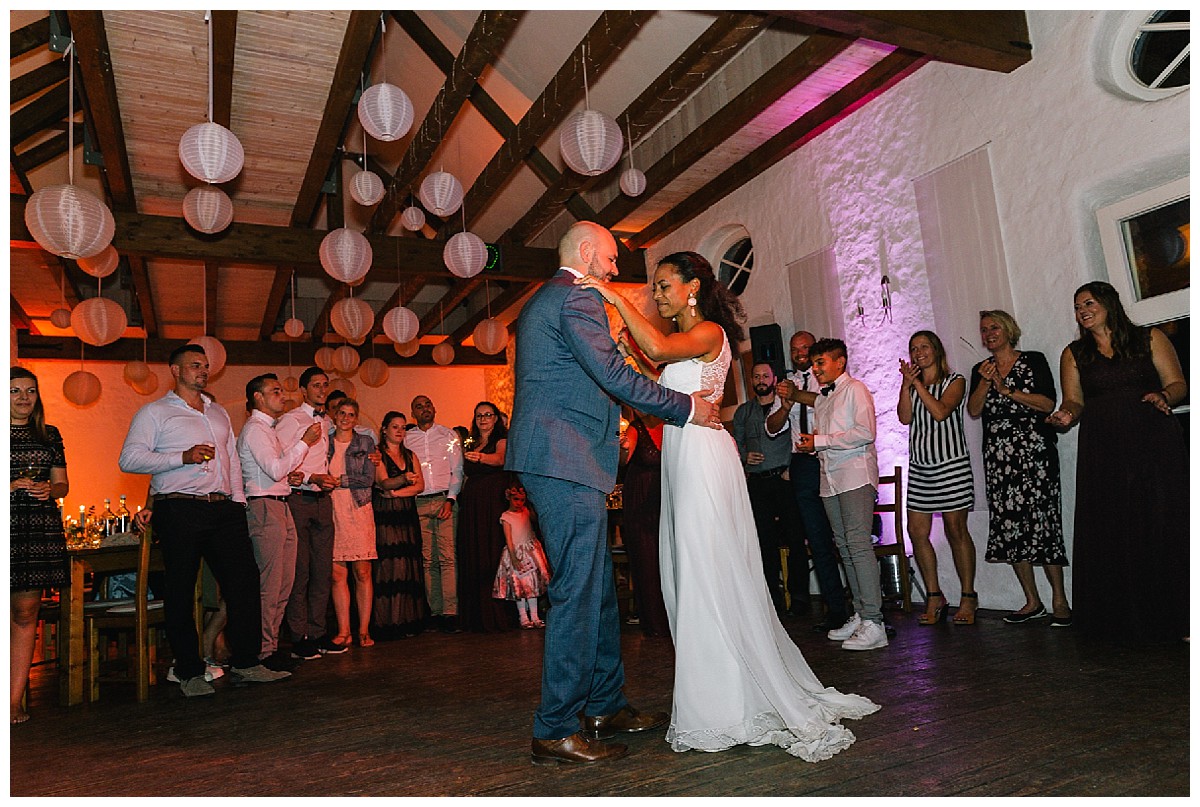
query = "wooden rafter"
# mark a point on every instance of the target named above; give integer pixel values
(47, 150)
(878, 78)
(498, 305)
(321, 326)
(36, 80)
(224, 31)
(405, 291)
(461, 289)
(804, 60)
(35, 34)
(20, 319)
(20, 171)
(275, 299)
(487, 37)
(40, 113)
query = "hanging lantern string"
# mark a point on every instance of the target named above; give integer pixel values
(62, 289)
(69, 55)
(629, 134)
(293, 294)
(208, 22)
(383, 43)
(487, 295)
(587, 101)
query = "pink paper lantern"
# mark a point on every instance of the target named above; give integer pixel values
(443, 352)
(366, 188)
(352, 318)
(214, 351)
(385, 112)
(590, 142)
(207, 209)
(633, 182)
(491, 336)
(102, 264)
(373, 372)
(291, 383)
(401, 324)
(465, 254)
(136, 371)
(345, 385)
(407, 349)
(69, 221)
(81, 388)
(345, 360)
(61, 318)
(211, 153)
(147, 386)
(441, 193)
(324, 359)
(413, 218)
(98, 321)
(294, 328)
(345, 255)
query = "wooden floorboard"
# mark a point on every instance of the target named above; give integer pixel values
(988, 710)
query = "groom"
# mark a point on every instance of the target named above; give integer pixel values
(563, 443)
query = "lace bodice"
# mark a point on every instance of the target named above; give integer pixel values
(691, 375)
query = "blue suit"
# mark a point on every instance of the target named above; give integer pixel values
(563, 442)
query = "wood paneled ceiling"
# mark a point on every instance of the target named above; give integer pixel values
(711, 99)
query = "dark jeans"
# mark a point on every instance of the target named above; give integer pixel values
(778, 524)
(806, 485)
(188, 531)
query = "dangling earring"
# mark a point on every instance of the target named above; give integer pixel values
(692, 302)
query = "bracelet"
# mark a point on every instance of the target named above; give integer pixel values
(1166, 397)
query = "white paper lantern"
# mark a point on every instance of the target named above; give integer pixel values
(147, 386)
(345, 254)
(385, 112)
(102, 264)
(413, 218)
(211, 153)
(366, 188)
(291, 383)
(490, 336)
(590, 142)
(443, 352)
(441, 193)
(345, 385)
(136, 371)
(207, 209)
(407, 349)
(465, 254)
(324, 359)
(633, 182)
(69, 221)
(98, 321)
(294, 328)
(61, 318)
(373, 372)
(345, 360)
(214, 351)
(401, 324)
(81, 388)
(352, 318)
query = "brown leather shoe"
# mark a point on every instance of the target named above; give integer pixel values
(575, 750)
(627, 719)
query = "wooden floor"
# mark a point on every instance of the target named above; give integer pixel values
(989, 710)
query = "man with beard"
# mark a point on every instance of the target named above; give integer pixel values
(765, 458)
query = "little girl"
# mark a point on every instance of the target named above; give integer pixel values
(523, 572)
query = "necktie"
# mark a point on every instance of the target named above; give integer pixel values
(803, 408)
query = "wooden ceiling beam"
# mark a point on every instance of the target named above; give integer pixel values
(602, 45)
(20, 171)
(275, 300)
(141, 288)
(498, 305)
(224, 31)
(36, 80)
(988, 40)
(803, 61)
(462, 288)
(35, 34)
(491, 30)
(20, 320)
(870, 84)
(39, 114)
(47, 150)
(352, 58)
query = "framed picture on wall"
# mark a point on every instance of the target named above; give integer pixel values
(1147, 248)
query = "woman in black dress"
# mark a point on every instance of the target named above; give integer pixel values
(1119, 383)
(37, 546)
(641, 495)
(399, 607)
(480, 539)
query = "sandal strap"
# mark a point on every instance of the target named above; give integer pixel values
(971, 594)
(936, 594)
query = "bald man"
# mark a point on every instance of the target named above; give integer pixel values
(563, 443)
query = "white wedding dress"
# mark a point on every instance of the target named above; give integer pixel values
(739, 678)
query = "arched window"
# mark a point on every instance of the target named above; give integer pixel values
(737, 262)
(1145, 55)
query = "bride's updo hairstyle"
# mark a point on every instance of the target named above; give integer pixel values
(715, 301)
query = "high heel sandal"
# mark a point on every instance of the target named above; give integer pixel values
(938, 613)
(966, 619)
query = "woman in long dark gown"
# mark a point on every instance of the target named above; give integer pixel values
(399, 607)
(1131, 500)
(641, 496)
(480, 539)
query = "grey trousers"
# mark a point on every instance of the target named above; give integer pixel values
(314, 565)
(273, 534)
(437, 552)
(850, 515)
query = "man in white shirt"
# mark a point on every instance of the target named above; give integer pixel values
(198, 512)
(845, 441)
(312, 512)
(265, 467)
(438, 450)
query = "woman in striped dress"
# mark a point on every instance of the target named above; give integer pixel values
(939, 471)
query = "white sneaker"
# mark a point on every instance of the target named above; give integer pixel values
(869, 636)
(211, 673)
(845, 631)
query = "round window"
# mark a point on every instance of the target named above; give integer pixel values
(1146, 55)
(736, 265)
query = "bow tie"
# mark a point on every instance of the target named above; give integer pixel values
(828, 388)
(319, 412)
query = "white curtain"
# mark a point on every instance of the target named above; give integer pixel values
(816, 297)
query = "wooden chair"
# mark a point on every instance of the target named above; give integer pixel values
(896, 507)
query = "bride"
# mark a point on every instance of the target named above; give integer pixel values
(739, 679)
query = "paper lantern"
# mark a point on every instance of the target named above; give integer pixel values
(345, 385)
(465, 254)
(352, 318)
(81, 388)
(373, 372)
(146, 387)
(211, 153)
(137, 371)
(407, 349)
(345, 254)
(102, 264)
(366, 188)
(291, 383)
(324, 359)
(413, 218)
(633, 182)
(294, 328)
(443, 352)
(98, 321)
(401, 324)
(213, 350)
(61, 318)
(385, 112)
(590, 142)
(207, 209)
(490, 336)
(345, 360)
(441, 193)
(69, 221)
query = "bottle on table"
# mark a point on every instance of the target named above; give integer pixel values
(124, 518)
(108, 519)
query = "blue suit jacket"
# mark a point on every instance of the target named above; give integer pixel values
(569, 377)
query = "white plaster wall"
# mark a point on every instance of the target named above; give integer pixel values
(1060, 147)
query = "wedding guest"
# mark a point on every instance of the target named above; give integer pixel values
(353, 522)
(523, 573)
(641, 450)
(400, 606)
